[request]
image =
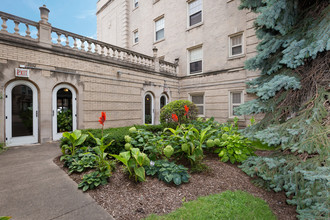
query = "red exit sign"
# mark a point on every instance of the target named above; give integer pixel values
(19, 72)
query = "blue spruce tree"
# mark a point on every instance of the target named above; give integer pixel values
(293, 92)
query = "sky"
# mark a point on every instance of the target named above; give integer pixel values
(76, 16)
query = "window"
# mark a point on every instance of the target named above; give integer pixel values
(159, 29)
(198, 100)
(136, 3)
(236, 45)
(196, 60)
(236, 99)
(163, 101)
(135, 37)
(195, 12)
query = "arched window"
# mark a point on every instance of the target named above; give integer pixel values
(163, 101)
(148, 109)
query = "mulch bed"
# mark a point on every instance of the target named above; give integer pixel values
(125, 199)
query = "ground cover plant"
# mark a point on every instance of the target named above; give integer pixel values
(227, 205)
(168, 172)
(293, 92)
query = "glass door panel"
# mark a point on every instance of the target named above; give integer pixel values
(22, 111)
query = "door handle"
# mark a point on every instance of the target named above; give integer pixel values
(37, 114)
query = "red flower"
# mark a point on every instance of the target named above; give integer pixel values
(102, 118)
(175, 117)
(186, 108)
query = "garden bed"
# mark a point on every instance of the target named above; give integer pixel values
(125, 199)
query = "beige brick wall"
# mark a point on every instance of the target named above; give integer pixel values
(98, 86)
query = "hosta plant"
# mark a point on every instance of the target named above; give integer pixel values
(232, 146)
(168, 172)
(94, 179)
(81, 162)
(134, 162)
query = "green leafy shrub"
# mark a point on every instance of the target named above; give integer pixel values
(192, 142)
(134, 162)
(231, 145)
(94, 179)
(177, 107)
(168, 172)
(64, 121)
(226, 205)
(116, 134)
(5, 217)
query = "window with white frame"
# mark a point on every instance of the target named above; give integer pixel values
(195, 12)
(163, 101)
(196, 60)
(135, 37)
(236, 99)
(136, 3)
(159, 29)
(236, 45)
(198, 100)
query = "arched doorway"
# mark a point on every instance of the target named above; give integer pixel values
(64, 110)
(21, 113)
(148, 109)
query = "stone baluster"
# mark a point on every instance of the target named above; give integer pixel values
(109, 51)
(113, 53)
(28, 32)
(96, 48)
(67, 42)
(59, 41)
(124, 55)
(4, 24)
(75, 45)
(102, 50)
(16, 28)
(82, 44)
(89, 47)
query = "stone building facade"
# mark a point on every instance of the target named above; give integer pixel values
(209, 39)
(58, 74)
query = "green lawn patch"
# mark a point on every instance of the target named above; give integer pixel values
(227, 205)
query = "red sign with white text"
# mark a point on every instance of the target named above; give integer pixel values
(22, 72)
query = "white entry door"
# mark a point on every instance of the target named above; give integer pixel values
(64, 110)
(21, 113)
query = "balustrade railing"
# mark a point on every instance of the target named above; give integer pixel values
(18, 22)
(92, 46)
(65, 39)
(167, 67)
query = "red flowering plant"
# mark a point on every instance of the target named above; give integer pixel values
(103, 163)
(186, 108)
(102, 120)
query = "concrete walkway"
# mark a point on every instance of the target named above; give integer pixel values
(32, 187)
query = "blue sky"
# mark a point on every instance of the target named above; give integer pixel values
(77, 16)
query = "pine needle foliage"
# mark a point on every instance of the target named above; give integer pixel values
(293, 92)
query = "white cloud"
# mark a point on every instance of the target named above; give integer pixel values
(86, 14)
